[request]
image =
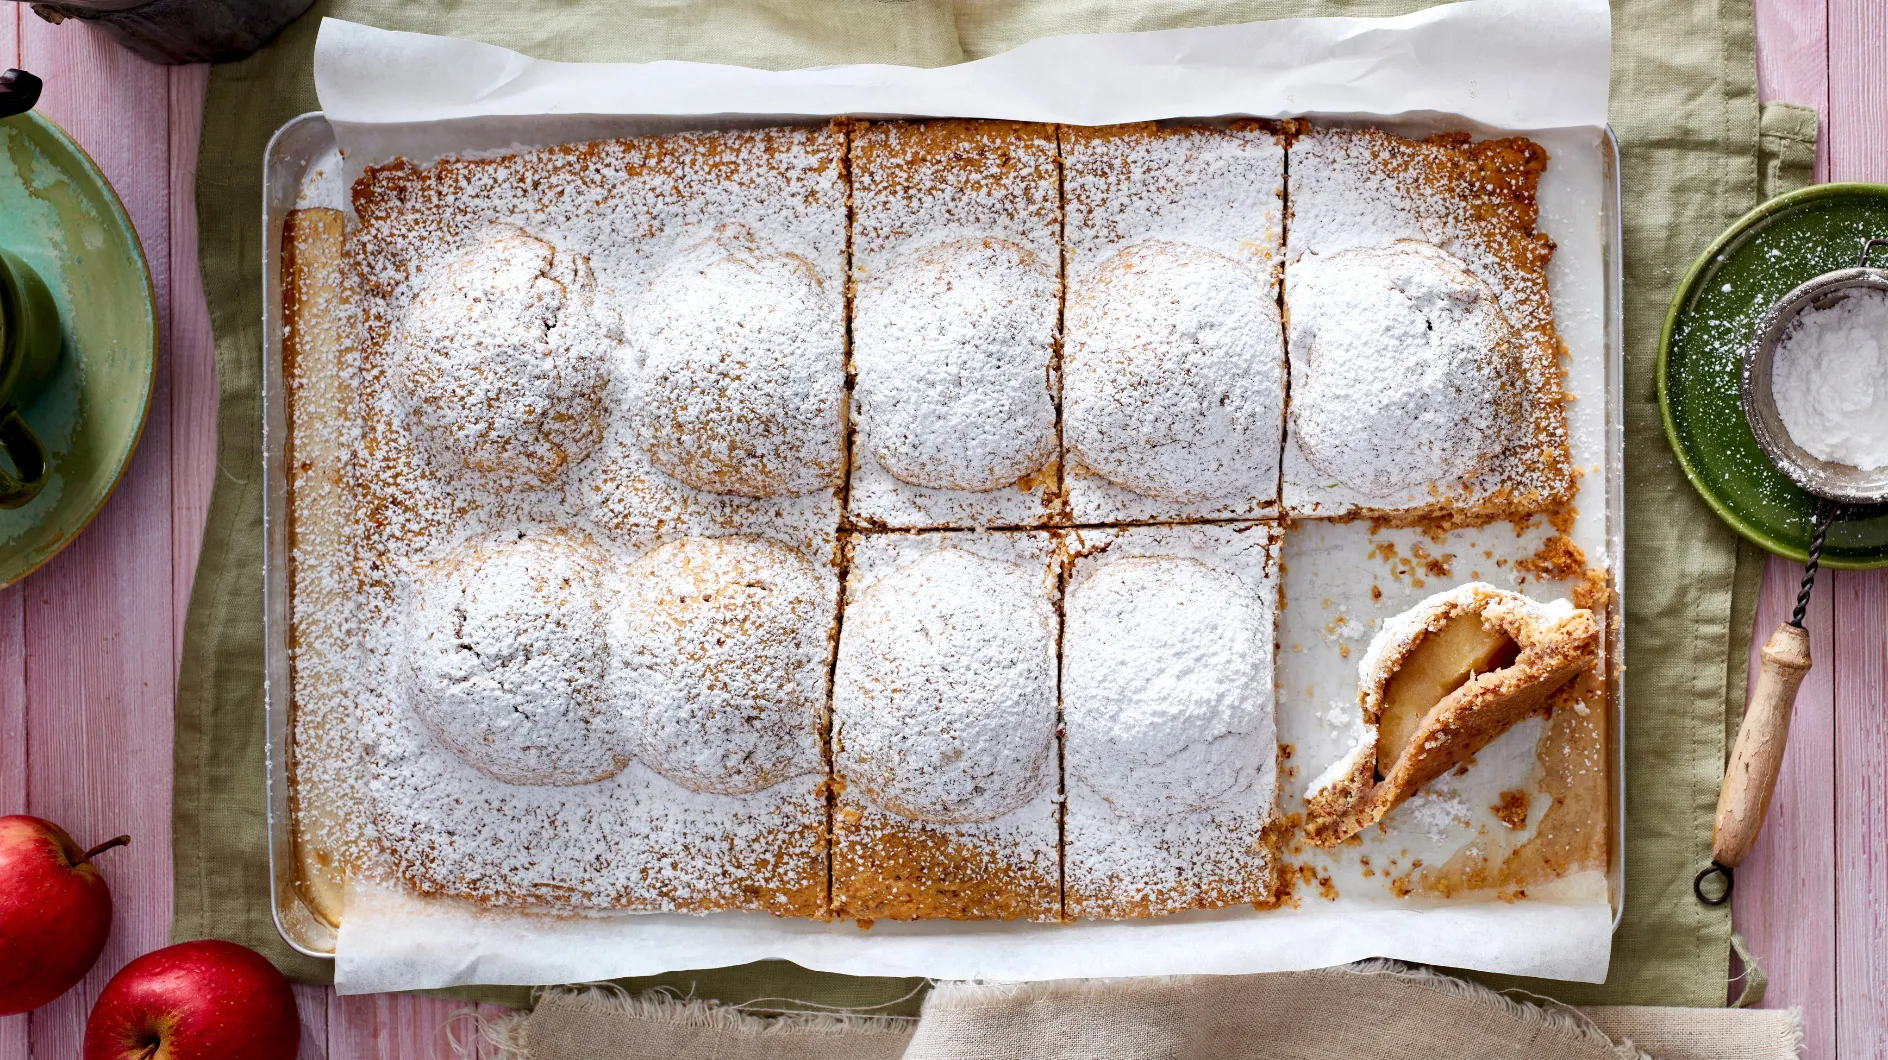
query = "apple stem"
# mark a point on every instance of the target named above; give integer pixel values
(150, 1050)
(100, 849)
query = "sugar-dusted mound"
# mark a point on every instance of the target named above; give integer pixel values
(722, 653)
(945, 690)
(505, 654)
(1174, 374)
(502, 357)
(1165, 686)
(741, 355)
(951, 344)
(1409, 373)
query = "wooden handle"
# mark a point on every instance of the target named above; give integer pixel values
(1758, 756)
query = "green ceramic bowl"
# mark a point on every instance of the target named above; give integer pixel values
(59, 215)
(1790, 239)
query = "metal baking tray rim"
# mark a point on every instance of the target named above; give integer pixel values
(307, 137)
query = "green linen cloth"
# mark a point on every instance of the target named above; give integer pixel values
(1684, 105)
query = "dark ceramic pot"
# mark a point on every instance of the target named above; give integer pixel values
(182, 31)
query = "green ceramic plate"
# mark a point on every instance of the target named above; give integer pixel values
(1790, 239)
(58, 213)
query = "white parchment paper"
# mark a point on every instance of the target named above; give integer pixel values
(1534, 66)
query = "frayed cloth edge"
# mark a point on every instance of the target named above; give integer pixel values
(1565, 1020)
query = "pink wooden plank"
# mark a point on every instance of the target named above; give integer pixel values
(1785, 895)
(393, 1026)
(98, 618)
(1861, 612)
(1785, 898)
(1793, 59)
(15, 1031)
(1858, 90)
(1858, 150)
(192, 356)
(311, 1004)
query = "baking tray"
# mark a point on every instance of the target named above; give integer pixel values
(303, 140)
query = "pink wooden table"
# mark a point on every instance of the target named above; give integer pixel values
(89, 646)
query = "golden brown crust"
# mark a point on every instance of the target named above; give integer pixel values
(915, 161)
(893, 868)
(1254, 877)
(315, 347)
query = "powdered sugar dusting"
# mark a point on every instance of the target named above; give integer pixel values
(1364, 188)
(944, 743)
(1174, 381)
(944, 695)
(956, 241)
(1170, 743)
(1405, 372)
(504, 657)
(951, 346)
(1172, 237)
(742, 372)
(1831, 380)
(501, 359)
(721, 653)
(696, 235)
(599, 562)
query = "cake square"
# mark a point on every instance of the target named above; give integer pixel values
(945, 770)
(956, 302)
(645, 334)
(555, 724)
(1170, 749)
(1425, 368)
(1173, 366)
(621, 363)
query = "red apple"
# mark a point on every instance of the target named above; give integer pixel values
(55, 911)
(207, 1000)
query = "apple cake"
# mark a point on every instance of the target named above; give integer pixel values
(1173, 368)
(1170, 751)
(945, 785)
(886, 520)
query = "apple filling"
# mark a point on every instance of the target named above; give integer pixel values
(1442, 662)
(1439, 683)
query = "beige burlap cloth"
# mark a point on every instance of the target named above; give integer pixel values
(1377, 1009)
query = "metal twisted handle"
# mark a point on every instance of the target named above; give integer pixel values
(1825, 514)
(1868, 249)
